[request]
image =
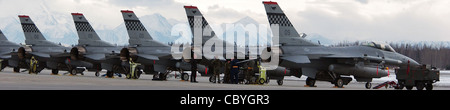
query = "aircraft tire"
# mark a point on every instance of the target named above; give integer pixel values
(429, 86)
(185, 76)
(16, 69)
(261, 81)
(409, 87)
(156, 76)
(97, 73)
(420, 85)
(339, 83)
(401, 84)
(212, 79)
(280, 82)
(138, 74)
(368, 85)
(310, 82)
(109, 74)
(73, 71)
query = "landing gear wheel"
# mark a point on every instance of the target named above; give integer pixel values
(409, 87)
(280, 82)
(368, 85)
(138, 74)
(97, 73)
(310, 82)
(339, 83)
(16, 69)
(261, 81)
(429, 86)
(420, 85)
(156, 76)
(109, 74)
(128, 76)
(185, 76)
(212, 79)
(163, 76)
(401, 84)
(73, 72)
(55, 71)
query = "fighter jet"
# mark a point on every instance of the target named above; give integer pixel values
(333, 64)
(44, 53)
(199, 26)
(197, 20)
(92, 52)
(6, 47)
(154, 57)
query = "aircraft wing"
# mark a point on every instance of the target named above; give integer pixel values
(95, 56)
(148, 57)
(5, 56)
(297, 59)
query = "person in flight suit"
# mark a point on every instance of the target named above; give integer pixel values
(193, 67)
(226, 77)
(250, 70)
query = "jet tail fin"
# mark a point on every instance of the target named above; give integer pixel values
(287, 33)
(2, 37)
(4, 41)
(87, 34)
(198, 23)
(32, 34)
(139, 36)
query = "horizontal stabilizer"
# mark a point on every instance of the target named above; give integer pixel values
(2, 36)
(297, 59)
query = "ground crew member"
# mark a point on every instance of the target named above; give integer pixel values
(193, 67)
(250, 70)
(226, 77)
(234, 72)
(216, 69)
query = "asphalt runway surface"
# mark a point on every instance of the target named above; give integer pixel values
(45, 81)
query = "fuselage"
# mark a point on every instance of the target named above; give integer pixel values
(338, 55)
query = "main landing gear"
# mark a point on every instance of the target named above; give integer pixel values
(332, 77)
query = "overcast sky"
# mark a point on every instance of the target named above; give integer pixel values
(381, 20)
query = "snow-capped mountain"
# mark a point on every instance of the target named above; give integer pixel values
(56, 27)
(157, 25)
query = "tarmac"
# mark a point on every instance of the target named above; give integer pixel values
(45, 81)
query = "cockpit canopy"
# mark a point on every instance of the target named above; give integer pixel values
(382, 46)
